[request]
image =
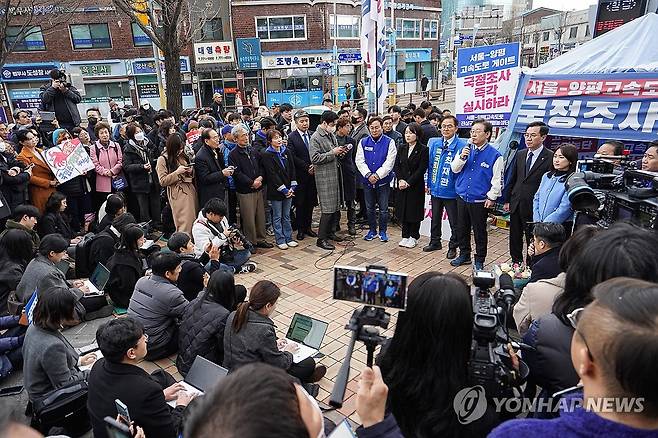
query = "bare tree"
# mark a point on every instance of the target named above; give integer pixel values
(21, 19)
(172, 25)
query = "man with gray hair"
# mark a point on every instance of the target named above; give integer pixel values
(248, 178)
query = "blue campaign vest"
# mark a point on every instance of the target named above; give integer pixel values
(374, 154)
(440, 178)
(474, 181)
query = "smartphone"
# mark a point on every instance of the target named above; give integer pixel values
(11, 390)
(47, 116)
(122, 410)
(342, 430)
(115, 429)
(349, 146)
(371, 287)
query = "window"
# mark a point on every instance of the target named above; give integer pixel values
(408, 29)
(546, 35)
(526, 39)
(348, 26)
(212, 30)
(587, 30)
(91, 36)
(281, 28)
(573, 32)
(140, 39)
(431, 30)
(29, 40)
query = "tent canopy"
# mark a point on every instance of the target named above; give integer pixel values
(628, 48)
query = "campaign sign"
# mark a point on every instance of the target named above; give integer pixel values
(623, 106)
(487, 77)
(68, 160)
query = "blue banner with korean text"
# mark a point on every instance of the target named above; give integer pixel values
(622, 106)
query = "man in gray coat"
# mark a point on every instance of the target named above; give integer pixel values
(158, 305)
(324, 149)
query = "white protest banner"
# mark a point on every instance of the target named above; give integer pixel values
(68, 160)
(426, 224)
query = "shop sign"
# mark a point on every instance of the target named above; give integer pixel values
(147, 66)
(248, 53)
(418, 55)
(26, 72)
(96, 70)
(293, 61)
(214, 52)
(350, 58)
(27, 98)
(146, 91)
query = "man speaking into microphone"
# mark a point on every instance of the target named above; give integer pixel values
(479, 182)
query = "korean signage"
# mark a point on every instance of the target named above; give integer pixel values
(96, 70)
(487, 77)
(613, 13)
(27, 98)
(147, 66)
(146, 91)
(214, 52)
(68, 160)
(248, 53)
(620, 106)
(26, 72)
(294, 61)
(417, 55)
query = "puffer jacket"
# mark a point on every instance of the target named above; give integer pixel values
(201, 333)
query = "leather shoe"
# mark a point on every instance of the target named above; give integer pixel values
(432, 247)
(351, 230)
(264, 244)
(318, 374)
(335, 238)
(311, 233)
(325, 244)
(452, 253)
(300, 235)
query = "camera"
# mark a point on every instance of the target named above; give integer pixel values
(490, 364)
(62, 78)
(235, 233)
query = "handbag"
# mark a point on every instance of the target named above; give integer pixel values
(119, 182)
(64, 407)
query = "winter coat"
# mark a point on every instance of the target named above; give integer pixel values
(306, 190)
(14, 188)
(545, 265)
(326, 169)
(13, 225)
(347, 169)
(139, 179)
(201, 333)
(410, 202)
(125, 269)
(204, 231)
(181, 192)
(427, 132)
(10, 275)
(551, 202)
(8, 343)
(158, 304)
(190, 279)
(255, 342)
(211, 182)
(108, 162)
(248, 168)
(280, 177)
(52, 223)
(39, 186)
(536, 301)
(396, 137)
(71, 97)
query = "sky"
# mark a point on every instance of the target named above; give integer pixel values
(563, 5)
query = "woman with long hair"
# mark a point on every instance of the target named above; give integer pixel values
(250, 337)
(108, 159)
(54, 221)
(202, 328)
(176, 173)
(551, 202)
(423, 377)
(126, 266)
(410, 167)
(16, 251)
(42, 180)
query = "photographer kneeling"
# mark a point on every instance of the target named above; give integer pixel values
(212, 226)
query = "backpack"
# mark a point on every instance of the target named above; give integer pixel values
(82, 268)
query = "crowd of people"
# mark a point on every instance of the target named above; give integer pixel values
(221, 185)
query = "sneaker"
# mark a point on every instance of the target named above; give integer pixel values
(248, 267)
(411, 242)
(292, 244)
(283, 246)
(383, 237)
(463, 259)
(370, 236)
(270, 231)
(479, 266)
(404, 242)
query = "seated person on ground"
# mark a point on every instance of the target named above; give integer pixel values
(15, 253)
(548, 238)
(158, 305)
(115, 206)
(104, 243)
(25, 217)
(126, 266)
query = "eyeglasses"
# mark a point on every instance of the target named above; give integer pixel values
(573, 318)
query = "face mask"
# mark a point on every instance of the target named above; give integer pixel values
(139, 136)
(92, 120)
(3, 147)
(355, 120)
(146, 107)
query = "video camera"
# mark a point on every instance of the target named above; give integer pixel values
(491, 365)
(611, 189)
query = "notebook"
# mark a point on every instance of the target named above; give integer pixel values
(202, 376)
(98, 280)
(308, 333)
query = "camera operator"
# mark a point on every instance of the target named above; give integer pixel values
(622, 250)
(650, 158)
(62, 98)
(424, 377)
(613, 349)
(547, 240)
(212, 226)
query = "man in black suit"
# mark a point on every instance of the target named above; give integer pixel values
(306, 197)
(211, 175)
(427, 130)
(116, 375)
(531, 164)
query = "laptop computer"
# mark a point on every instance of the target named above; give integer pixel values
(308, 333)
(201, 377)
(98, 280)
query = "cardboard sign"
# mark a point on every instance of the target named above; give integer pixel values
(68, 160)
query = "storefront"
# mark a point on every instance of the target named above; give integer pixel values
(417, 63)
(22, 83)
(214, 65)
(103, 80)
(294, 77)
(144, 81)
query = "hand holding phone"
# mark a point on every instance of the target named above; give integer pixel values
(122, 410)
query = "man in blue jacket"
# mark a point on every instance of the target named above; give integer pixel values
(441, 184)
(479, 168)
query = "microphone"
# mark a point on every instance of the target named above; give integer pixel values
(507, 289)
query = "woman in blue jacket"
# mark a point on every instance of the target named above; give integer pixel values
(551, 203)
